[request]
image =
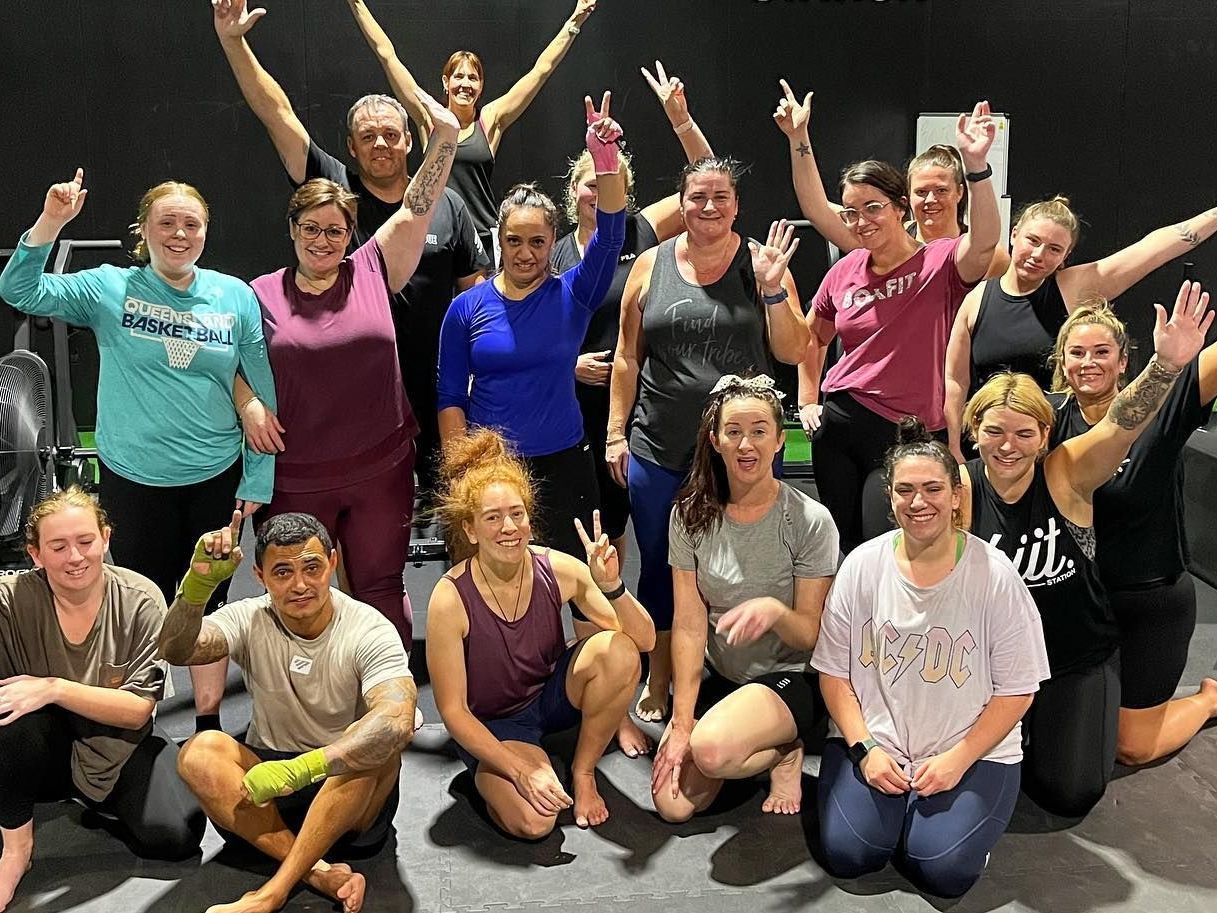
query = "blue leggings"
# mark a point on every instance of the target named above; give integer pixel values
(652, 490)
(940, 843)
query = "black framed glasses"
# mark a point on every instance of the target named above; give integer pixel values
(310, 231)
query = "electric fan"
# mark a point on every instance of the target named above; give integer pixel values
(27, 457)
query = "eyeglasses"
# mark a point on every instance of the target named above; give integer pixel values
(310, 231)
(870, 210)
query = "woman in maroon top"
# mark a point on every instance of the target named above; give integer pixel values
(348, 454)
(502, 672)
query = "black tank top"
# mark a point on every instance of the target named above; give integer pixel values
(1055, 558)
(470, 177)
(1016, 331)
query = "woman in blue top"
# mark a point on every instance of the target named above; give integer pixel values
(171, 338)
(507, 348)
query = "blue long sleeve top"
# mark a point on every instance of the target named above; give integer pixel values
(165, 414)
(510, 365)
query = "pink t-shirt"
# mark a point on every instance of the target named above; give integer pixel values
(894, 330)
(334, 356)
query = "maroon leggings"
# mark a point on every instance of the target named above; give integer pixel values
(371, 521)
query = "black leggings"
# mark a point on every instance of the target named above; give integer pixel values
(155, 528)
(1156, 626)
(1069, 738)
(158, 816)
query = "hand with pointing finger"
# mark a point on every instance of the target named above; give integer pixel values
(792, 116)
(64, 201)
(216, 558)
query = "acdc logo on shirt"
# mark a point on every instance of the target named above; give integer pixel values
(936, 654)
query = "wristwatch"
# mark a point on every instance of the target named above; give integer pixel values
(859, 750)
(974, 177)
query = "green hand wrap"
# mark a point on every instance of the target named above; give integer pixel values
(197, 588)
(272, 779)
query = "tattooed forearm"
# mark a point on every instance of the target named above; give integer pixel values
(1136, 403)
(1187, 234)
(428, 184)
(186, 639)
(381, 734)
(803, 150)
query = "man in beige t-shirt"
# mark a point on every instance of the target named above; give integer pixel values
(333, 707)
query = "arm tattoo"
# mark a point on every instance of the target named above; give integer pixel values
(1187, 234)
(187, 640)
(803, 149)
(1136, 403)
(426, 185)
(384, 731)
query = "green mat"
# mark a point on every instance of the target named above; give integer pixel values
(798, 448)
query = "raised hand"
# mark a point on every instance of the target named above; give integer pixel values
(750, 620)
(602, 135)
(216, 558)
(671, 94)
(602, 559)
(583, 9)
(792, 116)
(64, 201)
(974, 135)
(769, 262)
(233, 18)
(1178, 340)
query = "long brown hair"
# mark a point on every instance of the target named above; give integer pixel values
(704, 496)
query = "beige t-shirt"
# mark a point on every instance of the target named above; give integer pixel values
(119, 652)
(307, 692)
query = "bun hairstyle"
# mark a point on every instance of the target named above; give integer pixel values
(913, 440)
(1096, 312)
(160, 192)
(940, 155)
(712, 164)
(471, 464)
(1055, 210)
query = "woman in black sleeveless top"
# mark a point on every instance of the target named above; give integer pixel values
(481, 131)
(1010, 323)
(1036, 505)
(1138, 521)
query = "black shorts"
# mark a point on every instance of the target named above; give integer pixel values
(1156, 625)
(799, 691)
(293, 808)
(550, 711)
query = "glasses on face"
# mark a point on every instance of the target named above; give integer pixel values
(310, 231)
(870, 210)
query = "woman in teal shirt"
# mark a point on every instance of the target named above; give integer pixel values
(171, 338)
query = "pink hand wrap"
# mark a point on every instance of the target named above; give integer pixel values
(605, 153)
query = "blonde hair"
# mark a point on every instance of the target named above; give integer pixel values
(1055, 210)
(471, 464)
(1007, 389)
(580, 165)
(160, 192)
(1094, 312)
(74, 496)
(322, 192)
(948, 158)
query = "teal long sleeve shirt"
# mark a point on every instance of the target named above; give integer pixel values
(165, 414)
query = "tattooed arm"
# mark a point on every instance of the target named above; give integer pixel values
(1087, 461)
(1115, 274)
(383, 732)
(188, 639)
(402, 237)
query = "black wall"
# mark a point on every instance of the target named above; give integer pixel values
(1112, 101)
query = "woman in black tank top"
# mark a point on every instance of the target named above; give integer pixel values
(1036, 505)
(503, 677)
(1138, 516)
(481, 131)
(1010, 323)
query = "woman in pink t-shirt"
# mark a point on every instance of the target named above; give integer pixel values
(892, 301)
(348, 448)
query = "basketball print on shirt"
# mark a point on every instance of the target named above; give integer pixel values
(183, 333)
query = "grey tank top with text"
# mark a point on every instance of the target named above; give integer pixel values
(692, 335)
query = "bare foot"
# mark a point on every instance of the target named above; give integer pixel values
(1208, 688)
(632, 740)
(253, 902)
(13, 866)
(652, 709)
(338, 881)
(590, 809)
(786, 784)
(418, 719)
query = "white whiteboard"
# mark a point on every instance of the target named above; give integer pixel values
(940, 128)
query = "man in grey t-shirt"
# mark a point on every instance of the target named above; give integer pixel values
(333, 707)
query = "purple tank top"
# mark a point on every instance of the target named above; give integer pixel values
(507, 664)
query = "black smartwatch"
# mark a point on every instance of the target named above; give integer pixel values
(974, 177)
(859, 750)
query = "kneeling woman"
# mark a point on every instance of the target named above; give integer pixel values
(930, 649)
(752, 559)
(79, 679)
(502, 671)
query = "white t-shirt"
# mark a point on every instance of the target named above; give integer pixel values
(307, 692)
(924, 661)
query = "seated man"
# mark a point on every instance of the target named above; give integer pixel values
(333, 707)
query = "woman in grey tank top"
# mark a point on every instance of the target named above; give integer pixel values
(699, 306)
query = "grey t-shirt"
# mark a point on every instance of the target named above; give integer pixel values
(118, 652)
(924, 661)
(735, 562)
(307, 692)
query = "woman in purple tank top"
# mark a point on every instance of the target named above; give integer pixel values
(502, 671)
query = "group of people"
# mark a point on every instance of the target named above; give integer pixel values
(988, 630)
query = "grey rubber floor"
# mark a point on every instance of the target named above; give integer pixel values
(1150, 845)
